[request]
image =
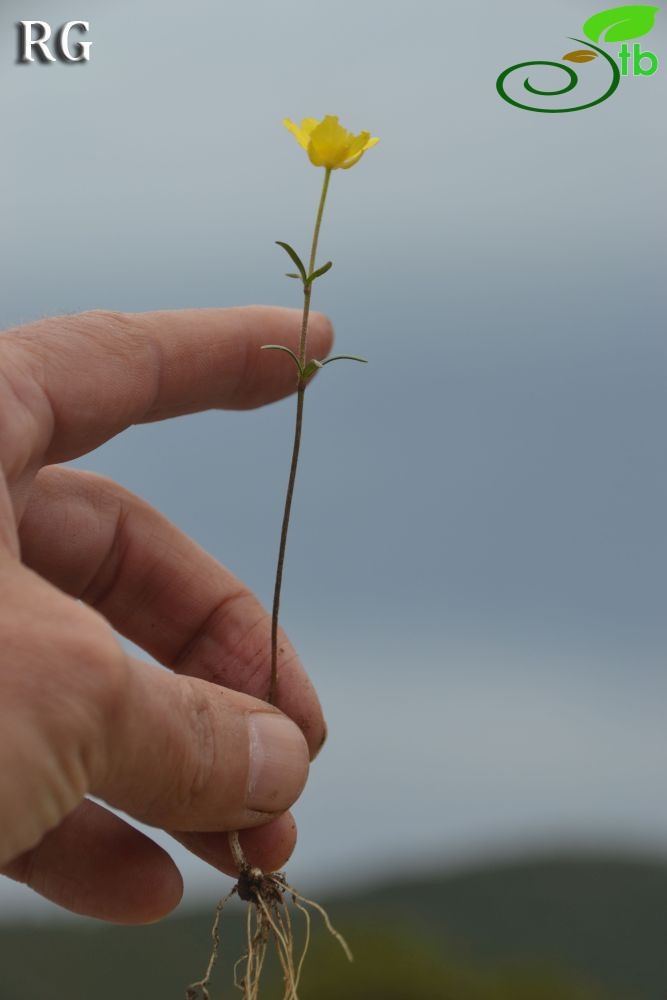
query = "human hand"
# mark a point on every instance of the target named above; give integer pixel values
(192, 749)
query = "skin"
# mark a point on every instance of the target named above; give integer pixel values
(81, 556)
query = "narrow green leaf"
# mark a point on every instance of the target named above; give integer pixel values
(320, 271)
(291, 275)
(296, 260)
(345, 357)
(621, 23)
(286, 350)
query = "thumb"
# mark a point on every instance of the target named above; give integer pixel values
(185, 754)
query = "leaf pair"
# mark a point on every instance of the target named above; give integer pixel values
(307, 279)
(307, 371)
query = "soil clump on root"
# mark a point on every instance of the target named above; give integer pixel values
(268, 920)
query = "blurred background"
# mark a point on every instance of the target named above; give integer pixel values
(476, 570)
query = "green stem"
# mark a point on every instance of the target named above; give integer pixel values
(318, 220)
(301, 390)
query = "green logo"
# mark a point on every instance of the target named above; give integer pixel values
(619, 24)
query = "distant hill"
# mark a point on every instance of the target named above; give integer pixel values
(604, 918)
(552, 928)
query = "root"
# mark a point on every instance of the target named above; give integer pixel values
(268, 919)
(237, 850)
(325, 916)
(306, 944)
(201, 986)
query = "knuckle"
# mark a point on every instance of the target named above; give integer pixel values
(63, 673)
(97, 664)
(97, 676)
(110, 332)
(196, 777)
(107, 318)
(24, 412)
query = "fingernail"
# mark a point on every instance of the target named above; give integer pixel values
(278, 762)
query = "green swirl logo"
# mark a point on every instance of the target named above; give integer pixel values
(619, 24)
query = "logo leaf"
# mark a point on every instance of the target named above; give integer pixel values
(581, 56)
(619, 24)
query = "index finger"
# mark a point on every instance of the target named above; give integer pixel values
(75, 381)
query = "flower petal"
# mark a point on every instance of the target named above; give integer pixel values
(298, 133)
(329, 143)
(351, 163)
(358, 145)
(308, 124)
(356, 156)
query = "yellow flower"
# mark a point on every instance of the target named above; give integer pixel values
(328, 144)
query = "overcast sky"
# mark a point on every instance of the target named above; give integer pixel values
(476, 571)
